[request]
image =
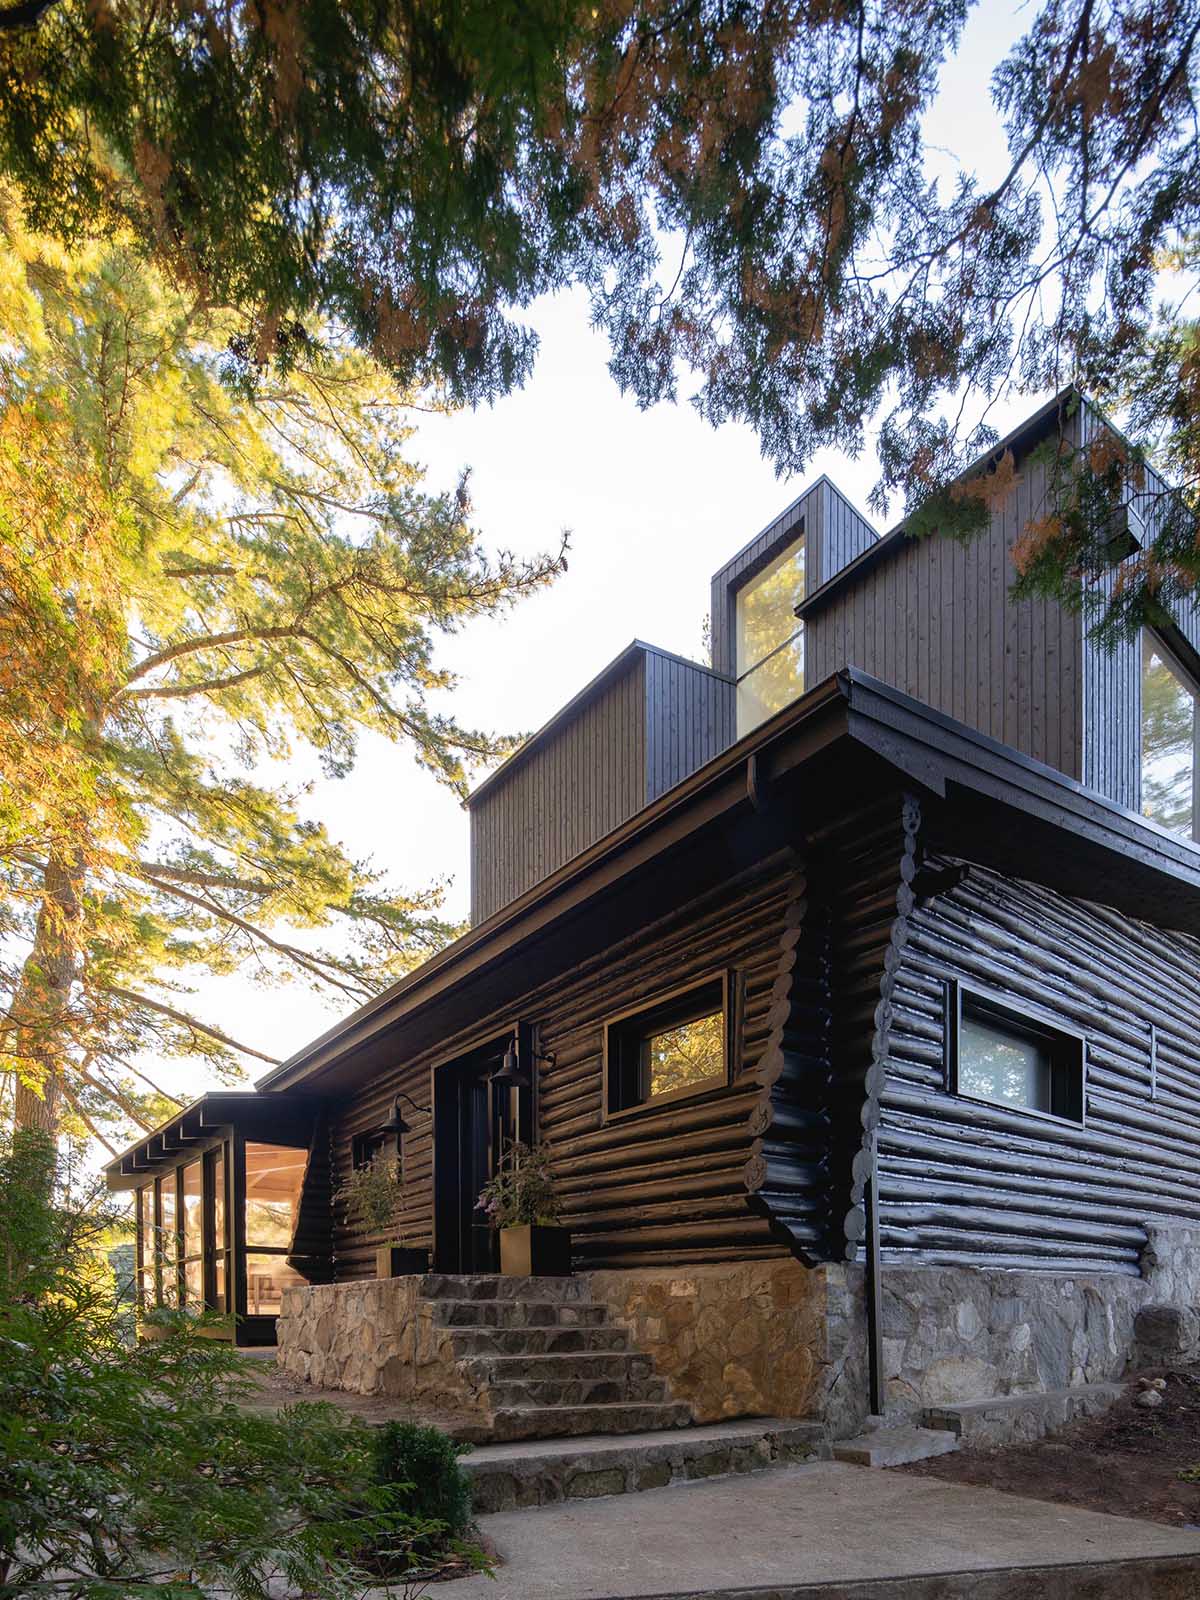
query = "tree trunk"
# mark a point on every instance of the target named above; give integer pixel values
(40, 1015)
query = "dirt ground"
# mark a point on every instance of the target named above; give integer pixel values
(1127, 1461)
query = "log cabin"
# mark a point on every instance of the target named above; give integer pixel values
(850, 982)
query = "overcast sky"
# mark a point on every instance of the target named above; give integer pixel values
(655, 502)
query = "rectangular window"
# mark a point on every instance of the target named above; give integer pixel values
(192, 1188)
(274, 1179)
(770, 639)
(675, 1047)
(147, 1274)
(168, 1240)
(1012, 1060)
(1169, 733)
(220, 1243)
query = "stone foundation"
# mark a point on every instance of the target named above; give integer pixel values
(954, 1334)
(748, 1338)
(376, 1337)
(773, 1338)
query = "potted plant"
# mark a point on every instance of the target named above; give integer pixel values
(520, 1201)
(372, 1195)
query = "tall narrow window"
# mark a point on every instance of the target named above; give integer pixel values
(168, 1240)
(770, 639)
(274, 1177)
(218, 1192)
(193, 1235)
(1169, 733)
(146, 1238)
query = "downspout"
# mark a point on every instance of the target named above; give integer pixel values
(873, 1291)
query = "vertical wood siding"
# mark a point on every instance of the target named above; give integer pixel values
(836, 534)
(689, 720)
(572, 788)
(936, 620)
(1113, 676)
(665, 1184)
(967, 1183)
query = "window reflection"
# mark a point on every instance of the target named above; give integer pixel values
(1168, 740)
(266, 1278)
(1007, 1067)
(770, 639)
(685, 1056)
(273, 1179)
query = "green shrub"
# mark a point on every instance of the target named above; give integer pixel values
(420, 1464)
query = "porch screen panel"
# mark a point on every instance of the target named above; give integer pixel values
(274, 1175)
(147, 1278)
(219, 1240)
(193, 1234)
(168, 1240)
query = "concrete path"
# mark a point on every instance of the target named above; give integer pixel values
(865, 1534)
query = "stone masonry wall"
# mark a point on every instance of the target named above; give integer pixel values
(374, 1337)
(773, 1338)
(765, 1338)
(955, 1334)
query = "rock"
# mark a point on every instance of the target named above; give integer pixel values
(1167, 1331)
(1148, 1399)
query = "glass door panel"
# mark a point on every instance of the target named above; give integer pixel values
(274, 1178)
(192, 1189)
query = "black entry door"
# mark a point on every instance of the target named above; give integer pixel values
(469, 1126)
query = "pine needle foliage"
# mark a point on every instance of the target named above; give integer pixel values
(205, 569)
(745, 189)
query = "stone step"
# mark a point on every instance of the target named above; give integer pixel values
(470, 1343)
(517, 1313)
(506, 1477)
(589, 1366)
(516, 1394)
(561, 1422)
(1018, 1418)
(495, 1286)
(895, 1447)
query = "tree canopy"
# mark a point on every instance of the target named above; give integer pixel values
(204, 566)
(743, 187)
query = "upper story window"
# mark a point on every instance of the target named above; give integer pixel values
(1169, 733)
(770, 639)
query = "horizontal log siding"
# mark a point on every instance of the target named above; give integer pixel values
(970, 1184)
(584, 780)
(935, 618)
(661, 1185)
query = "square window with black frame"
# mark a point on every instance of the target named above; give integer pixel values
(676, 1046)
(1013, 1060)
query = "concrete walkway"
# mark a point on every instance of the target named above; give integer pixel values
(828, 1530)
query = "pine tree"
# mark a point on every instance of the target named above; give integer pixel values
(206, 563)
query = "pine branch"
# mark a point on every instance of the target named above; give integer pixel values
(132, 997)
(180, 691)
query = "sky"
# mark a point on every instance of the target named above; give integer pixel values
(655, 501)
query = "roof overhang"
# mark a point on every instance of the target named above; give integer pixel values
(275, 1118)
(849, 732)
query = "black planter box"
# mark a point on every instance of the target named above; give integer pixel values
(400, 1261)
(535, 1251)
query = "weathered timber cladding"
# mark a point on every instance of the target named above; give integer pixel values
(659, 1185)
(936, 619)
(967, 1183)
(689, 719)
(836, 534)
(636, 735)
(562, 794)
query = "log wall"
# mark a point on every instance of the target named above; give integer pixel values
(967, 1183)
(663, 1184)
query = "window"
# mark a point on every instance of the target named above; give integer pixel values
(168, 1240)
(675, 1047)
(220, 1243)
(147, 1273)
(1169, 733)
(274, 1178)
(1012, 1060)
(770, 639)
(193, 1235)
(366, 1146)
